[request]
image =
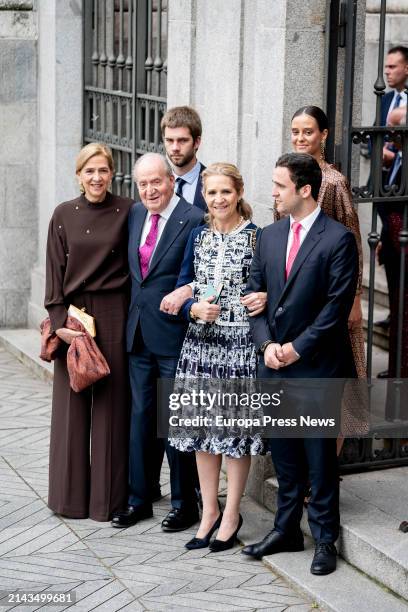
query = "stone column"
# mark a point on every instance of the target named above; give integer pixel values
(59, 133)
(18, 153)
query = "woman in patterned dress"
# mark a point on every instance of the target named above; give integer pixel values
(309, 132)
(218, 344)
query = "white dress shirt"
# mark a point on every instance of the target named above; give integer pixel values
(306, 224)
(190, 186)
(164, 217)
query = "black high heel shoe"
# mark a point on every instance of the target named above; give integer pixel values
(220, 545)
(204, 542)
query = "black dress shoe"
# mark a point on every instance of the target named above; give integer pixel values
(383, 374)
(385, 323)
(179, 519)
(204, 542)
(324, 560)
(274, 542)
(131, 516)
(220, 545)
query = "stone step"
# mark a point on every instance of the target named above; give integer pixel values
(345, 590)
(380, 335)
(372, 506)
(25, 344)
(380, 291)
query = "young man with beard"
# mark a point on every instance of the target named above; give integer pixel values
(181, 131)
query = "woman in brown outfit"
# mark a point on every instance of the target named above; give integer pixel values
(309, 133)
(87, 266)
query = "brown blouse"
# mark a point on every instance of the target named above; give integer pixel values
(86, 251)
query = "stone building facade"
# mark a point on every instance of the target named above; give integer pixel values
(246, 65)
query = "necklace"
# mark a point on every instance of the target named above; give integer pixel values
(240, 221)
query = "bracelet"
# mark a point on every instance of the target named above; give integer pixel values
(190, 313)
(263, 346)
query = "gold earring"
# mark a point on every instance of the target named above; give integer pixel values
(81, 187)
(322, 150)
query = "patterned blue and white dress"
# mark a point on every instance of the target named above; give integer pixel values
(222, 349)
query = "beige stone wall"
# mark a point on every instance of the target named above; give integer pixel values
(18, 153)
(246, 65)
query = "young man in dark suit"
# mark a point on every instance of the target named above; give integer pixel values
(159, 227)
(181, 132)
(308, 265)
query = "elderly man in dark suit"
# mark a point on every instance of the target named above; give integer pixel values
(308, 265)
(159, 227)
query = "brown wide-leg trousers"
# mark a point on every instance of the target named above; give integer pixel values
(88, 475)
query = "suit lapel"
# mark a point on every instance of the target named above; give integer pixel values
(174, 226)
(279, 247)
(135, 237)
(198, 196)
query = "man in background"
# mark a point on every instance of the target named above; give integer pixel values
(396, 74)
(181, 132)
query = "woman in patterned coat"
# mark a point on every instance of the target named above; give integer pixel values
(218, 347)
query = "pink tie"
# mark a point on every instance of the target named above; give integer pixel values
(296, 227)
(145, 251)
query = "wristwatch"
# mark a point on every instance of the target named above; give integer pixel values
(264, 345)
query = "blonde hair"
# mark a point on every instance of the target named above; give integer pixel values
(232, 172)
(90, 150)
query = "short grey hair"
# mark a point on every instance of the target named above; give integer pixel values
(152, 157)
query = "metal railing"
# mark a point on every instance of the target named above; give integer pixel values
(391, 406)
(125, 72)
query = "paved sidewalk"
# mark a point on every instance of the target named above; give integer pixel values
(140, 568)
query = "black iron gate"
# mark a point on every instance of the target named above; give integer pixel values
(125, 79)
(387, 443)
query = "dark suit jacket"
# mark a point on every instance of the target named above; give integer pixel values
(385, 209)
(162, 334)
(385, 105)
(311, 308)
(198, 196)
